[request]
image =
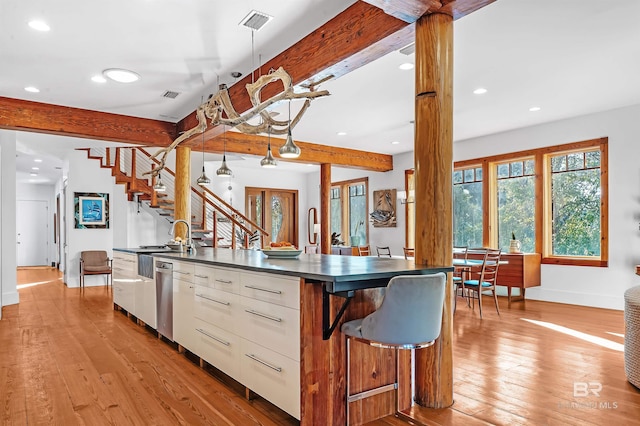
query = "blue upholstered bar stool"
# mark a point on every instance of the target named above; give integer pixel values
(409, 317)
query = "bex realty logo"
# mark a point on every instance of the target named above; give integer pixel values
(584, 389)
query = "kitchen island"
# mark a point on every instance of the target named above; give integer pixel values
(273, 325)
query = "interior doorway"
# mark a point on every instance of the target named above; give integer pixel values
(275, 210)
(32, 233)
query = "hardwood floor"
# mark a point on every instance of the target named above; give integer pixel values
(66, 357)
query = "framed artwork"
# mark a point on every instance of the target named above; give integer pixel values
(384, 215)
(91, 210)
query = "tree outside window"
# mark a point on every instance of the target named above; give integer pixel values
(349, 204)
(554, 199)
(516, 205)
(575, 196)
(467, 207)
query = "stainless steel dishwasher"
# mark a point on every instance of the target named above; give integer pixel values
(164, 298)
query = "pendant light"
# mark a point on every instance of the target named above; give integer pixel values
(203, 180)
(289, 149)
(268, 162)
(224, 171)
(159, 186)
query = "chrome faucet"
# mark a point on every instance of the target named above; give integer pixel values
(189, 243)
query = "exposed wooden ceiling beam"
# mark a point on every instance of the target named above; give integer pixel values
(359, 35)
(16, 114)
(312, 153)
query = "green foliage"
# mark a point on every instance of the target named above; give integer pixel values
(576, 213)
(516, 212)
(467, 214)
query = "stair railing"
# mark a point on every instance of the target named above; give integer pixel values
(206, 199)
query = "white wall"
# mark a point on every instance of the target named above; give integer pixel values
(85, 175)
(8, 218)
(591, 286)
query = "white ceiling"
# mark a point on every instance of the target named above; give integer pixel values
(569, 57)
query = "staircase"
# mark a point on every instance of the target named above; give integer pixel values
(214, 222)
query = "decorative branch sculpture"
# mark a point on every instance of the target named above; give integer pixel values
(220, 103)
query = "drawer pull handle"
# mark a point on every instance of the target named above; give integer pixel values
(211, 336)
(273, 367)
(263, 289)
(201, 276)
(224, 281)
(213, 300)
(182, 273)
(276, 319)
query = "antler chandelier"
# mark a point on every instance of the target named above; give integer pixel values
(219, 106)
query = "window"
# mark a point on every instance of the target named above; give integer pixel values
(515, 188)
(336, 211)
(575, 204)
(467, 207)
(349, 203)
(554, 199)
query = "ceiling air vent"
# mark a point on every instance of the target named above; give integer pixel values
(408, 49)
(255, 20)
(170, 94)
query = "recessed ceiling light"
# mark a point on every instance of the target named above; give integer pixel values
(98, 79)
(395, 143)
(39, 25)
(534, 109)
(480, 91)
(406, 66)
(120, 75)
(342, 133)
(35, 168)
(32, 89)
(37, 160)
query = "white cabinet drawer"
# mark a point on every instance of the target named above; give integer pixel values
(227, 280)
(203, 275)
(124, 295)
(272, 326)
(271, 375)
(183, 271)
(125, 262)
(271, 288)
(218, 347)
(217, 307)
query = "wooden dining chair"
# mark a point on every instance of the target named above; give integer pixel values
(486, 281)
(383, 251)
(364, 251)
(409, 253)
(459, 273)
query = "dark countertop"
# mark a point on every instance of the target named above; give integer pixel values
(139, 250)
(339, 273)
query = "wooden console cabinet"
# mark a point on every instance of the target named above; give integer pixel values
(522, 271)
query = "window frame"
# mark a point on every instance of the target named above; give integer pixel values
(542, 158)
(344, 204)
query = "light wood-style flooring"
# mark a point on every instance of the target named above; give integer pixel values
(66, 357)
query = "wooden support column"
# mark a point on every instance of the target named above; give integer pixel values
(433, 174)
(182, 202)
(325, 208)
